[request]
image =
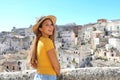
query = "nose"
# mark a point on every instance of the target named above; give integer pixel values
(51, 26)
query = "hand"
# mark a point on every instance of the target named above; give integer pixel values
(33, 63)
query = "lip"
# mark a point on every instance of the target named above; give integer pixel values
(50, 30)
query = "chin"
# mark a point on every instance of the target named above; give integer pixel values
(50, 33)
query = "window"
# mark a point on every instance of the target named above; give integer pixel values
(19, 63)
(118, 27)
(19, 68)
(104, 53)
(7, 67)
(112, 55)
(110, 28)
(67, 59)
(13, 68)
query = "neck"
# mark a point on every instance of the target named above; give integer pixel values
(46, 36)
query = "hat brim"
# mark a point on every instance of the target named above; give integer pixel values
(35, 27)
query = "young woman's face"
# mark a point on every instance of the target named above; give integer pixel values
(47, 28)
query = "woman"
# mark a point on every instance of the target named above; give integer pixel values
(43, 55)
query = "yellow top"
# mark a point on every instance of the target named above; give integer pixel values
(44, 65)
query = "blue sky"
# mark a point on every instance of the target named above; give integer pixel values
(22, 13)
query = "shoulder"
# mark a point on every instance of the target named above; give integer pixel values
(46, 40)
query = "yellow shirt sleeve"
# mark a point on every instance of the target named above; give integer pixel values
(49, 45)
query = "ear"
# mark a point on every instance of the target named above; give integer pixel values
(40, 29)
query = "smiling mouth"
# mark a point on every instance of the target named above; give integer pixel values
(50, 31)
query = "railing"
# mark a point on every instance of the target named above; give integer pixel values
(92, 73)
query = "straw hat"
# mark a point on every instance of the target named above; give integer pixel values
(35, 27)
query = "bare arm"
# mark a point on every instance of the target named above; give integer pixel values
(54, 61)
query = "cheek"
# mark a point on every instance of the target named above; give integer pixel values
(53, 28)
(45, 29)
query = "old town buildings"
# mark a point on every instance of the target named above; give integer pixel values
(73, 43)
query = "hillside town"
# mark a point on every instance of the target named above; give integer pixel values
(91, 45)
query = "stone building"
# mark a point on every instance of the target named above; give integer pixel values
(71, 58)
(68, 39)
(115, 42)
(14, 42)
(13, 65)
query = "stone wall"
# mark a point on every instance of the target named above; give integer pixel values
(93, 73)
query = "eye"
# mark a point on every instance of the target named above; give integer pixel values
(51, 24)
(47, 25)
